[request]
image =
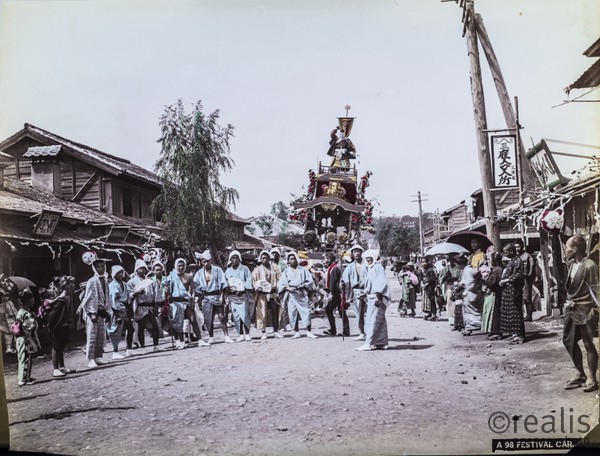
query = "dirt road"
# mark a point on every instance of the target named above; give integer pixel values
(433, 391)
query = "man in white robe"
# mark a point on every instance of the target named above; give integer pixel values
(378, 299)
(353, 284)
(209, 284)
(239, 295)
(95, 305)
(293, 287)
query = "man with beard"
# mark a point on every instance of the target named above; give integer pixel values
(265, 277)
(293, 287)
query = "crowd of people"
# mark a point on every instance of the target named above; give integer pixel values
(183, 304)
(484, 292)
(492, 292)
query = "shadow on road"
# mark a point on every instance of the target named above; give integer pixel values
(533, 335)
(412, 339)
(26, 398)
(410, 347)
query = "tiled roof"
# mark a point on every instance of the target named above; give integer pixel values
(590, 78)
(43, 151)
(20, 197)
(109, 163)
(236, 218)
(250, 243)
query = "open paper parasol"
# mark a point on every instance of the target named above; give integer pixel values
(463, 238)
(445, 248)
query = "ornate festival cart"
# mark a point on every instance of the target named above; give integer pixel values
(334, 210)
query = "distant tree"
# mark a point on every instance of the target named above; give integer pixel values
(193, 203)
(265, 223)
(290, 240)
(280, 210)
(394, 238)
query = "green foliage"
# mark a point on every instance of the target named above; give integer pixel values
(193, 203)
(265, 223)
(280, 210)
(395, 239)
(290, 240)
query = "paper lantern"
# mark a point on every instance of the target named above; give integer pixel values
(552, 220)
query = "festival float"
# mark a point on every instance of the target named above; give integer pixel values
(334, 210)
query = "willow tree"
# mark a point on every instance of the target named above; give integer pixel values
(193, 204)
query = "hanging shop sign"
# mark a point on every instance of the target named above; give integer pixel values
(46, 223)
(543, 165)
(504, 161)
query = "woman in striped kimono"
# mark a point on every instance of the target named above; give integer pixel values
(239, 294)
(378, 299)
(293, 287)
(179, 299)
(511, 304)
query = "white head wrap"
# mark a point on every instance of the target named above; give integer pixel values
(234, 253)
(158, 263)
(139, 263)
(177, 261)
(356, 247)
(371, 253)
(264, 252)
(105, 275)
(206, 255)
(295, 255)
(115, 270)
(275, 250)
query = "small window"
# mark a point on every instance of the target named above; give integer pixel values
(127, 202)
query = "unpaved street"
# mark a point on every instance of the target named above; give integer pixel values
(433, 391)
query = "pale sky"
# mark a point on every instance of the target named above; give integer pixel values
(101, 72)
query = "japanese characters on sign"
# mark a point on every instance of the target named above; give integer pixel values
(504, 161)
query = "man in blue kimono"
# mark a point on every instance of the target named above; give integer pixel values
(293, 287)
(353, 284)
(209, 285)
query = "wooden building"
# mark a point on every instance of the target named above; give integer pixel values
(59, 198)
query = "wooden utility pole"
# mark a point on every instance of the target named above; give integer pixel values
(421, 239)
(510, 116)
(485, 165)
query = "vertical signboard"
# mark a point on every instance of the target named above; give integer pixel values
(504, 161)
